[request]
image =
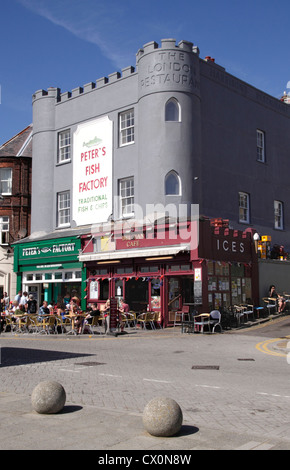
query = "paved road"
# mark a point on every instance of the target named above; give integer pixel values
(233, 389)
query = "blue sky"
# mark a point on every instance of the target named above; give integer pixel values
(68, 43)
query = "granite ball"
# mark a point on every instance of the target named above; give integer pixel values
(48, 397)
(162, 417)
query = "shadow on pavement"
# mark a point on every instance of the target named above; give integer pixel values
(21, 356)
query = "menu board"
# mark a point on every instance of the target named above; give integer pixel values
(114, 314)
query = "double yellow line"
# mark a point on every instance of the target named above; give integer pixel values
(264, 347)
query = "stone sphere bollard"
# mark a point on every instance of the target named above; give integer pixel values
(162, 417)
(48, 397)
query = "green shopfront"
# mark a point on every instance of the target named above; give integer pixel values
(50, 269)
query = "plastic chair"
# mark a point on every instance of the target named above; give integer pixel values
(215, 320)
(200, 321)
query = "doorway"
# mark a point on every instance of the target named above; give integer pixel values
(136, 294)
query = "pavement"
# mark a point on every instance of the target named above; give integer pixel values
(109, 380)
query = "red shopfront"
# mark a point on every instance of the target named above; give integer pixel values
(168, 269)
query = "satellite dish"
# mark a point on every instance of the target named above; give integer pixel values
(22, 233)
(288, 85)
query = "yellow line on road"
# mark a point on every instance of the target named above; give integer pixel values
(263, 347)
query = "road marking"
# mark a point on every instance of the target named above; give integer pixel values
(159, 381)
(208, 386)
(263, 347)
(111, 375)
(273, 395)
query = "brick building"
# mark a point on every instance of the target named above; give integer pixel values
(15, 202)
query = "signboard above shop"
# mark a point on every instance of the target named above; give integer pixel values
(62, 249)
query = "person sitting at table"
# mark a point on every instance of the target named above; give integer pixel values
(92, 312)
(124, 308)
(272, 292)
(31, 304)
(279, 298)
(18, 313)
(60, 310)
(43, 310)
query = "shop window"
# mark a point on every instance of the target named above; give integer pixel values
(63, 208)
(68, 276)
(172, 184)
(155, 294)
(64, 146)
(104, 289)
(5, 181)
(119, 288)
(149, 269)
(94, 290)
(126, 195)
(172, 110)
(126, 127)
(98, 272)
(179, 267)
(124, 270)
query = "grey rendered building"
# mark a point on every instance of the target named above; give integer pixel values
(181, 129)
(175, 131)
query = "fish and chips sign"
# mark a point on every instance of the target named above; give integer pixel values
(92, 171)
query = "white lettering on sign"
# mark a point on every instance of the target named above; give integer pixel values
(230, 246)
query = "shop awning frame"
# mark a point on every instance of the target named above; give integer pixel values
(130, 253)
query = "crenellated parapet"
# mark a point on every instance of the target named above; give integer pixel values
(170, 67)
(82, 90)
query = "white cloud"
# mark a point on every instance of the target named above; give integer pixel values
(90, 20)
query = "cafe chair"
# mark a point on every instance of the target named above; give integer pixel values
(187, 323)
(157, 319)
(270, 305)
(201, 321)
(146, 319)
(215, 321)
(9, 324)
(131, 319)
(180, 315)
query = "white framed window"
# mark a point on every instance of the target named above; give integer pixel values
(244, 207)
(64, 146)
(5, 181)
(172, 184)
(63, 208)
(4, 230)
(260, 146)
(126, 194)
(172, 110)
(126, 127)
(278, 215)
(52, 276)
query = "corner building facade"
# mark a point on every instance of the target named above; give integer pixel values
(152, 141)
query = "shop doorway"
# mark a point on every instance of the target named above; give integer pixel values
(180, 293)
(136, 294)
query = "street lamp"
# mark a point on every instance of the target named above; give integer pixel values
(256, 238)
